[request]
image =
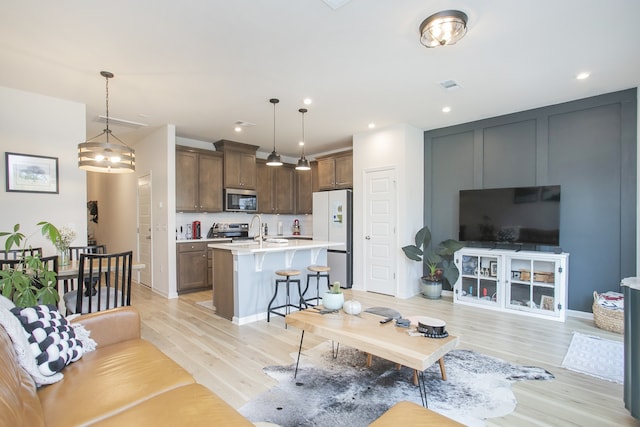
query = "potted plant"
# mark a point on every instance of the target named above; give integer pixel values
(438, 260)
(29, 282)
(333, 299)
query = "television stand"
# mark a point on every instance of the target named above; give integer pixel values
(513, 280)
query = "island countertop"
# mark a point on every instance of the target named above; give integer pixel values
(271, 245)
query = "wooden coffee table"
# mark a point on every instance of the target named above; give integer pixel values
(365, 332)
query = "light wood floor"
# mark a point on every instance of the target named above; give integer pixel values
(229, 359)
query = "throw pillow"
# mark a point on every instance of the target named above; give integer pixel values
(52, 339)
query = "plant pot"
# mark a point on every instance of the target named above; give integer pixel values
(431, 289)
(332, 301)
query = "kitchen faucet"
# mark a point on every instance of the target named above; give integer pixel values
(259, 236)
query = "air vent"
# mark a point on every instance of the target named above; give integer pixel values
(450, 85)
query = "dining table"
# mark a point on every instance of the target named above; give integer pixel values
(71, 270)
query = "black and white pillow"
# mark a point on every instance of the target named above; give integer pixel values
(52, 339)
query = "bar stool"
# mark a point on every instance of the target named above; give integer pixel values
(319, 271)
(288, 274)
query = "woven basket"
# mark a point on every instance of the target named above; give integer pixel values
(609, 320)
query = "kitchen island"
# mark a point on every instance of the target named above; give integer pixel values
(244, 274)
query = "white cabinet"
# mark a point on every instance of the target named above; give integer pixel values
(531, 283)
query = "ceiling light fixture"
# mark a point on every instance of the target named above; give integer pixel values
(582, 76)
(303, 163)
(443, 28)
(106, 156)
(446, 109)
(274, 157)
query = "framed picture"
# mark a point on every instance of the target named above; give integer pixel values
(27, 173)
(546, 302)
(493, 268)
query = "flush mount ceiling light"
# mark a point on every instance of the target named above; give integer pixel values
(106, 156)
(303, 163)
(443, 28)
(274, 157)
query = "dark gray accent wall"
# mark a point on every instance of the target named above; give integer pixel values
(587, 146)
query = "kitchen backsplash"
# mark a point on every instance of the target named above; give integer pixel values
(207, 220)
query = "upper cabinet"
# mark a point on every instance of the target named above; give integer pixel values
(336, 171)
(239, 164)
(304, 189)
(275, 188)
(198, 180)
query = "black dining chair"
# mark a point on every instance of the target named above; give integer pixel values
(50, 263)
(109, 290)
(74, 254)
(18, 253)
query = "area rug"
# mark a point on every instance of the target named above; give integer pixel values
(595, 356)
(343, 392)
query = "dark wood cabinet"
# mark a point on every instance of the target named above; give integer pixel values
(336, 171)
(239, 164)
(198, 180)
(275, 188)
(304, 191)
(223, 283)
(193, 267)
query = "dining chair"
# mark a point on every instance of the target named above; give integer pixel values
(18, 253)
(50, 263)
(74, 254)
(109, 290)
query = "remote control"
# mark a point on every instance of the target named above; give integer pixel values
(387, 320)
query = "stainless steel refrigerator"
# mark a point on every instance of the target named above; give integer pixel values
(332, 221)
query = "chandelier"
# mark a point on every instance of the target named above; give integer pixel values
(107, 156)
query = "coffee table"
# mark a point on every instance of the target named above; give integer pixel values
(365, 332)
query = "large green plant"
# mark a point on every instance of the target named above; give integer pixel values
(438, 259)
(29, 282)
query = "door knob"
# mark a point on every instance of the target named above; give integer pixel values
(367, 237)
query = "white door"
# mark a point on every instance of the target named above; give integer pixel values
(380, 231)
(144, 230)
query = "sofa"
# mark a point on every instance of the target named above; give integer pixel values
(126, 381)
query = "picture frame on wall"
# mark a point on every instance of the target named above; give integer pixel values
(27, 173)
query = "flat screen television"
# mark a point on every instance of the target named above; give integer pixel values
(515, 216)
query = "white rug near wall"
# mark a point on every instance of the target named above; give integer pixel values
(595, 356)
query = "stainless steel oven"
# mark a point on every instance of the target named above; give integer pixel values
(236, 200)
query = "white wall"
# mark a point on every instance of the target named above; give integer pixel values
(401, 147)
(40, 125)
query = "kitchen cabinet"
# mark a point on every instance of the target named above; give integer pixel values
(336, 171)
(194, 267)
(198, 181)
(304, 191)
(223, 299)
(275, 188)
(239, 164)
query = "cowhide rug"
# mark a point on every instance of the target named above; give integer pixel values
(343, 392)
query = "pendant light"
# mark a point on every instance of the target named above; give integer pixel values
(106, 156)
(274, 157)
(303, 163)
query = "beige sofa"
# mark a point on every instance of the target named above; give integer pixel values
(126, 381)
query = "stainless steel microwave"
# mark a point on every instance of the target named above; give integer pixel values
(236, 200)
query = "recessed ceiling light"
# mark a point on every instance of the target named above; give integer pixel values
(582, 76)
(372, 125)
(307, 101)
(446, 109)
(238, 129)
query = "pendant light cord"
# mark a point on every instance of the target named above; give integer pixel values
(274, 127)
(107, 107)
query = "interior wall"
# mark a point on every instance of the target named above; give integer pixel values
(61, 126)
(400, 147)
(118, 205)
(588, 146)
